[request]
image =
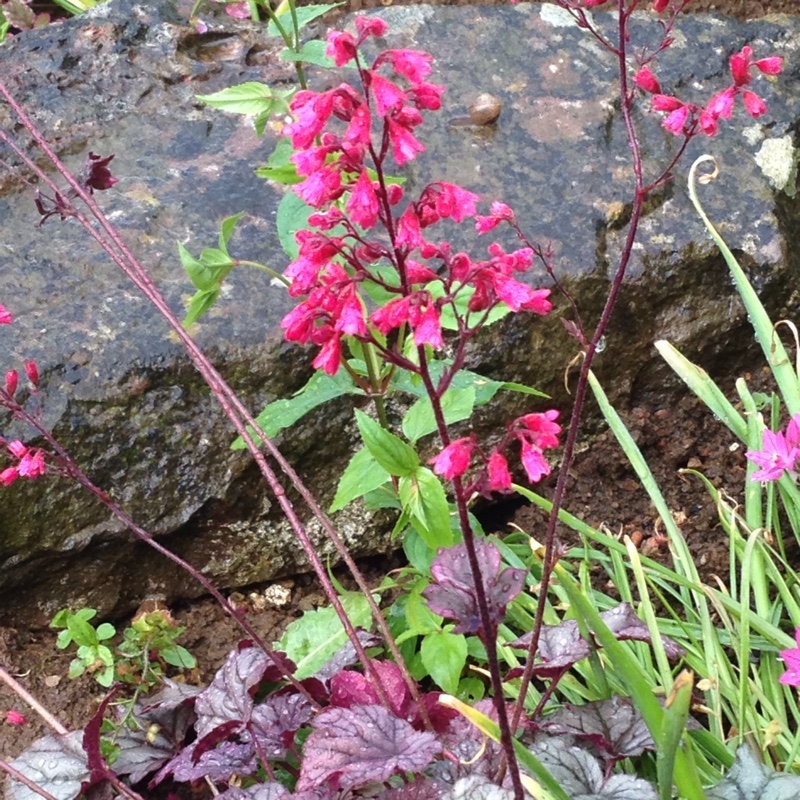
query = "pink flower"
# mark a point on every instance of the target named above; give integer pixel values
(17, 448)
(320, 187)
(676, 120)
(408, 230)
(370, 26)
(96, 174)
(341, 47)
(330, 357)
(32, 372)
(429, 328)
(442, 200)
(8, 476)
(660, 5)
(770, 66)
(754, 104)
(544, 428)
(535, 464)
(499, 476)
(427, 96)
(363, 202)
(14, 717)
(665, 102)
(774, 457)
(793, 431)
(239, 10)
(454, 460)
(405, 147)
(387, 94)
(708, 123)
(645, 79)
(740, 66)
(791, 658)
(32, 464)
(5, 316)
(12, 378)
(721, 104)
(497, 213)
(413, 65)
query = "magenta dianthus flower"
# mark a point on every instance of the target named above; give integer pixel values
(775, 456)
(791, 658)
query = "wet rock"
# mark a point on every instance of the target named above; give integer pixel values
(124, 400)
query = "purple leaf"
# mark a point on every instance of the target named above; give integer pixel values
(624, 624)
(56, 764)
(138, 756)
(91, 741)
(362, 744)
(275, 722)
(560, 646)
(171, 708)
(346, 655)
(613, 726)
(453, 593)
(228, 698)
(219, 764)
(579, 773)
(350, 688)
(477, 787)
(420, 789)
(261, 791)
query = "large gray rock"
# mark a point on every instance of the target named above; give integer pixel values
(121, 396)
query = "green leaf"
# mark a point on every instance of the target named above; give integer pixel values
(105, 631)
(312, 52)
(76, 668)
(457, 404)
(421, 620)
(246, 98)
(200, 303)
(523, 389)
(423, 495)
(82, 632)
(673, 727)
(201, 275)
(178, 657)
(444, 655)
(64, 640)
(282, 413)
(363, 474)
(391, 452)
(314, 638)
(279, 168)
(293, 214)
(305, 15)
(226, 230)
(419, 555)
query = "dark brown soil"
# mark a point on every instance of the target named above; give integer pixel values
(603, 491)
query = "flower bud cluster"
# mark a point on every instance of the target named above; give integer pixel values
(687, 118)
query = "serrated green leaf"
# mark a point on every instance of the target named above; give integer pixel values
(314, 638)
(457, 404)
(246, 98)
(293, 214)
(216, 260)
(423, 495)
(200, 274)
(282, 413)
(363, 474)
(312, 52)
(444, 655)
(391, 452)
(305, 14)
(226, 230)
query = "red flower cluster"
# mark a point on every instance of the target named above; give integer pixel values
(535, 433)
(30, 463)
(343, 138)
(687, 118)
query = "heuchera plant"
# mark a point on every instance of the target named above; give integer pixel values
(377, 294)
